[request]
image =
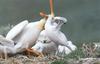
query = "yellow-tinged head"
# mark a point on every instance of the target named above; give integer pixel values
(41, 24)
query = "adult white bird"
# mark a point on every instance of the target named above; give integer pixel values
(52, 28)
(29, 35)
(25, 37)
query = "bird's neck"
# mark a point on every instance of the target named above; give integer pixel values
(48, 23)
(41, 23)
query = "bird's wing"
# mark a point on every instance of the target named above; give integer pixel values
(6, 42)
(61, 36)
(16, 30)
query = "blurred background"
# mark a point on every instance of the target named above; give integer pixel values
(83, 16)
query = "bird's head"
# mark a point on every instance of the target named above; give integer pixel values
(60, 19)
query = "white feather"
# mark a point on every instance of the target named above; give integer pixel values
(16, 30)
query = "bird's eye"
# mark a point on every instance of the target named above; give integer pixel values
(57, 21)
(44, 41)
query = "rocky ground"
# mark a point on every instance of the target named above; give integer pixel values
(74, 58)
(85, 61)
(23, 59)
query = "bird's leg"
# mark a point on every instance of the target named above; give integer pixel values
(56, 53)
(63, 53)
(34, 52)
(1, 55)
(5, 53)
(40, 55)
(28, 52)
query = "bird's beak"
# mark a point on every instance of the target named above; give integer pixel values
(64, 23)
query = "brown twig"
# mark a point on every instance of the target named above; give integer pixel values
(51, 7)
(51, 10)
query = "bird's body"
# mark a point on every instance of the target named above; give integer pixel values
(45, 48)
(29, 35)
(57, 36)
(52, 28)
(25, 38)
(44, 44)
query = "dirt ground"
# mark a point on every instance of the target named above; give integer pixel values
(24, 59)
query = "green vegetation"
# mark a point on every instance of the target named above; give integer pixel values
(75, 55)
(60, 62)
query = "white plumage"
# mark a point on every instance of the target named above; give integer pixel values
(53, 37)
(6, 42)
(16, 30)
(46, 46)
(64, 49)
(25, 36)
(52, 28)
